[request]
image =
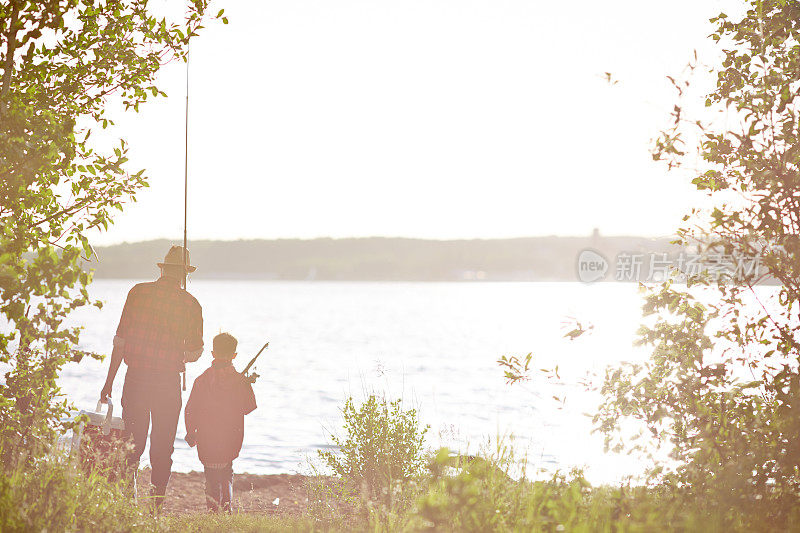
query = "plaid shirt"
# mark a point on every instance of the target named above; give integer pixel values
(160, 321)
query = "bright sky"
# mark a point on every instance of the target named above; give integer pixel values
(418, 118)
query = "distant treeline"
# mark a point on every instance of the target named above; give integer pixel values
(377, 258)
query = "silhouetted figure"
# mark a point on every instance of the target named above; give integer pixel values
(160, 330)
(215, 420)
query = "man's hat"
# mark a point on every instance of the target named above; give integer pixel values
(175, 258)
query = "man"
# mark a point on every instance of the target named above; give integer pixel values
(160, 330)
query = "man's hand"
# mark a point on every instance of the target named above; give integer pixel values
(105, 394)
(116, 360)
(192, 356)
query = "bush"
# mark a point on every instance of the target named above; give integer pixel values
(383, 446)
(31, 408)
(479, 494)
(55, 495)
(377, 469)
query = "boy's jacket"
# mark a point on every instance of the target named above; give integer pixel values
(215, 412)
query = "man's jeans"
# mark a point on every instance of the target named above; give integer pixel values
(152, 395)
(219, 487)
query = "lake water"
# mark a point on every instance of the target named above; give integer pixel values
(435, 345)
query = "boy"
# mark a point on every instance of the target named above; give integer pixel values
(214, 418)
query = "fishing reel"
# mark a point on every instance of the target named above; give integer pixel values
(251, 377)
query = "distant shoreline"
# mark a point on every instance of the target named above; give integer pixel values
(377, 259)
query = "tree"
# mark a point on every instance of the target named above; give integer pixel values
(721, 390)
(62, 62)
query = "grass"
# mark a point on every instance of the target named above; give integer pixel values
(407, 490)
(238, 523)
(461, 495)
(53, 494)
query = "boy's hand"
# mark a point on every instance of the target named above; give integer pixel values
(191, 439)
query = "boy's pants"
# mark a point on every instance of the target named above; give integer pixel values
(219, 486)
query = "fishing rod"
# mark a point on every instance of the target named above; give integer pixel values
(186, 210)
(253, 360)
(185, 184)
(186, 172)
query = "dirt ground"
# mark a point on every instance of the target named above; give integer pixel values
(252, 493)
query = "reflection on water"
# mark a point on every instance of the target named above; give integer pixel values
(434, 345)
